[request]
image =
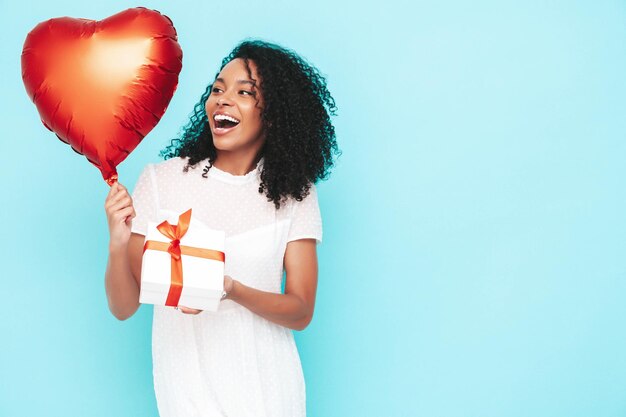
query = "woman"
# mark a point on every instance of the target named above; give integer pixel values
(263, 133)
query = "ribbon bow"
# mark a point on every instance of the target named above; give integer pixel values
(175, 233)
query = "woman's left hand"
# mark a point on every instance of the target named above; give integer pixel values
(228, 286)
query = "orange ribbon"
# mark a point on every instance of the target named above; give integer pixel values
(175, 249)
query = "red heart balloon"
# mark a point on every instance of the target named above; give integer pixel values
(101, 86)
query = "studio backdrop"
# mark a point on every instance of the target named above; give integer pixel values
(473, 260)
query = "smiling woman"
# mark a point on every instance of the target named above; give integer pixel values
(262, 130)
(235, 108)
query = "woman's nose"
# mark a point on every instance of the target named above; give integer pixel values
(224, 99)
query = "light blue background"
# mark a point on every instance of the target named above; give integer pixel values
(474, 233)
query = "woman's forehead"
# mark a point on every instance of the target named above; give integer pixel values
(236, 70)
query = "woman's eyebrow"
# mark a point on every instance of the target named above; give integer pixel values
(238, 81)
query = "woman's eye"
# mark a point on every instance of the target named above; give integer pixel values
(215, 90)
(247, 92)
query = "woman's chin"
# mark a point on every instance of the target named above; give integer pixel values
(223, 143)
(234, 142)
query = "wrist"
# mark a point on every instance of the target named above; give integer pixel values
(116, 248)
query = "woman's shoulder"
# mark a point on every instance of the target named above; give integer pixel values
(170, 167)
(310, 199)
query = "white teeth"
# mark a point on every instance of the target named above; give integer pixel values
(225, 117)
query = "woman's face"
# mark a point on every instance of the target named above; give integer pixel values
(234, 108)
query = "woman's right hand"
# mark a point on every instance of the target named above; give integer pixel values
(120, 212)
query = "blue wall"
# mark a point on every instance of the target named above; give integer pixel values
(474, 229)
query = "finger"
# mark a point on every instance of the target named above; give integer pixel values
(114, 194)
(121, 215)
(188, 310)
(122, 189)
(112, 190)
(117, 186)
(123, 203)
(117, 197)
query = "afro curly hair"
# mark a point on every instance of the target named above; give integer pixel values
(300, 138)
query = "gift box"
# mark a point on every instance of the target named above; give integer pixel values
(183, 263)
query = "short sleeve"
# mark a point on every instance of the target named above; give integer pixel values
(144, 200)
(306, 219)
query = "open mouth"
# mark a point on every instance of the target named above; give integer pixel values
(224, 123)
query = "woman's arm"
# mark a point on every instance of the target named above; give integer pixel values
(294, 308)
(122, 278)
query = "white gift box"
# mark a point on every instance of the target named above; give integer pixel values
(203, 279)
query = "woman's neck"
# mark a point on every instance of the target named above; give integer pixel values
(236, 164)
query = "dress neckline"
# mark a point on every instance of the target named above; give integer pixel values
(224, 176)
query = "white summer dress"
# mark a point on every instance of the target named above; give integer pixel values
(231, 362)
